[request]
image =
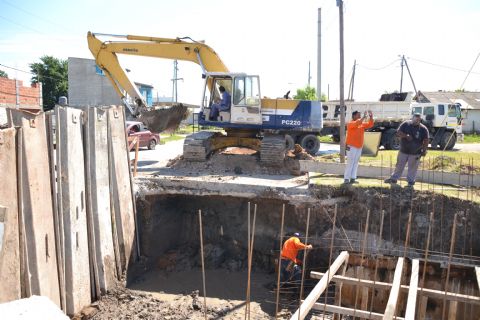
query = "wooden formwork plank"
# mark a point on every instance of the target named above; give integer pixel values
(386, 286)
(412, 291)
(99, 195)
(392, 299)
(36, 207)
(317, 291)
(9, 233)
(120, 187)
(72, 177)
(348, 311)
(477, 272)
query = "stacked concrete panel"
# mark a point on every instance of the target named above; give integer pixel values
(120, 187)
(36, 210)
(9, 236)
(73, 202)
(96, 134)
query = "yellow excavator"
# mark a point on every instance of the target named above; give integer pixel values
(270, 126)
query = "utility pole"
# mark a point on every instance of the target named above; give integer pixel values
(352, 82)
(410, 74)
(175, 80)
(401, 74)
(319, 55)
(342, 98)
(309, 76)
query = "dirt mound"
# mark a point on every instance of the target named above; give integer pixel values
(235, 162)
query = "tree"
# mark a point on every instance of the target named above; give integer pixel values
(308, 93)
(53, 74)
(3, 74)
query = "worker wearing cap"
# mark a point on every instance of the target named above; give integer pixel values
(223, 105)
(355, 132)
(414, 139)
(290, 266)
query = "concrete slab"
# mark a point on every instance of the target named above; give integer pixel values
(36, 208)
(121, 191)
(96, 134)
(35, 307)
(72, 178)
(9, 244)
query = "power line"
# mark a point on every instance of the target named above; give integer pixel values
(21, 25)
(378, 69)
(36, 16)
(470, 71)
(440, 65)
(45, 77)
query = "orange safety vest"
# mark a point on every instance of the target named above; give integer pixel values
(290, 249)
(355, 131)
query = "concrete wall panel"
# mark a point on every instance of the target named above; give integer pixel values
(37, 209)
(97, 135)
(73, 202)
(120, 184)
(9, 244)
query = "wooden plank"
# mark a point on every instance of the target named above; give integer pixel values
(412, 291)
(453, 305)
(9, 232)
(349, 311)
(386, 286)
(477, 272)
(422, 308)
(317, 291)
(392, 299)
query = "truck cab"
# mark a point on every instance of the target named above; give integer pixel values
(444, 121)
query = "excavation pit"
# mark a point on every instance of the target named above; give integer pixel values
(170, 266)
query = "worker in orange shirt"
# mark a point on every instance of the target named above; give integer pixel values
(355, 131)
(290, 267)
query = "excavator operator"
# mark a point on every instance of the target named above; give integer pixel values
(291, 270)
(222, 105)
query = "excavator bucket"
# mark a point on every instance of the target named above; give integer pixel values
(164, 118)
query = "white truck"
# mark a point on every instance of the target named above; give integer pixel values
(443, 120)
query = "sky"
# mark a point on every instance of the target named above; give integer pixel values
(273, 39)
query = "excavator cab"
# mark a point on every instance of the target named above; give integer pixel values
(243, 92)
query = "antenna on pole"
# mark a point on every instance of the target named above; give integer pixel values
(352, 82)
(309, 76)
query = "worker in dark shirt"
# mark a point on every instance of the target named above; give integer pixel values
(413, 145)
(224, 104)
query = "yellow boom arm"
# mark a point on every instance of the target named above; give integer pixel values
(105, 54)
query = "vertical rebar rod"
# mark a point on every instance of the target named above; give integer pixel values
(459, 178)
(304, 266)
(452, 246)
(250, 254)
(203, 264)
(279, 262)
(426, 253)
(380, 235)
(330, 256)
(390, 214)
(361, 260)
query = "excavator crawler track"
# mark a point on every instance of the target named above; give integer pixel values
(272, 149)
(198, 145)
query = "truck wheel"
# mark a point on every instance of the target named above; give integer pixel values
(152, 144)
(448, 140)
(289, 142)
(310, 143)
(392, 141)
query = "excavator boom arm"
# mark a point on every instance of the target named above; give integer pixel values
(105, 54)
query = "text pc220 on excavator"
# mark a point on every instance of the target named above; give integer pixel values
(270, 126)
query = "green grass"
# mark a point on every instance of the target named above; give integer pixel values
(327, 139)
(448, 161)
(172, 137)
(452, 191)
(471, 138)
